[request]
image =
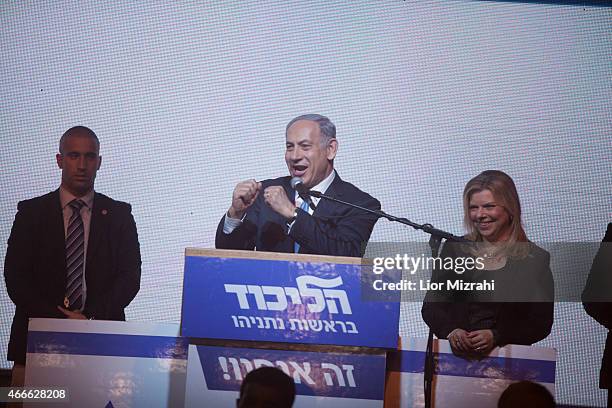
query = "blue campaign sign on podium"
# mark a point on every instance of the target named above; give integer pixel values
(322, 379)
(290, 298)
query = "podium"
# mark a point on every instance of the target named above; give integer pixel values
(304, 314)
(301, 313)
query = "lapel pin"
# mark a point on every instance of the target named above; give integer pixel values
(104, 212)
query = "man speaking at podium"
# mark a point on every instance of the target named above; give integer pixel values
(271, 216)
(72, 253)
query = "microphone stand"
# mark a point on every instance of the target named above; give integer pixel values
(435, 240)
(436, 234)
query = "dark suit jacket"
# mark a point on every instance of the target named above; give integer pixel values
(35, 263)
(596, 300)
(333, 229)
(515, 322)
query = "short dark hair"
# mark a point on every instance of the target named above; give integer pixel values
(327, 128)
(526, 394)
(274, 378)
(78, 130)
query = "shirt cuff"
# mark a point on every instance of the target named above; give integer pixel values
(292, 220)
(230, 224)
(289, 225)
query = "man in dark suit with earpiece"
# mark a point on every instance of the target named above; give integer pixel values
(72, 253)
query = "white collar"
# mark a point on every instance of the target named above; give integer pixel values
(66, 197)
(324, 185)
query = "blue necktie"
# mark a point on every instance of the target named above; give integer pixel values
(75, 257)
(296, 246)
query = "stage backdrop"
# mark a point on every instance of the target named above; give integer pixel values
(190, 99)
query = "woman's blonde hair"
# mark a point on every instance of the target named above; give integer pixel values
(504, 192)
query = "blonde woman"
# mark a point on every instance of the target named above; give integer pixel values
(520, 308)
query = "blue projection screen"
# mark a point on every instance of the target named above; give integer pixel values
(189, 99)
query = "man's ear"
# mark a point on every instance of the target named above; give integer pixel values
(99, 162)
(60, 160)
(332, 149)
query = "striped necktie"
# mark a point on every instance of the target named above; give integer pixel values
(296, 246)
(75, 257)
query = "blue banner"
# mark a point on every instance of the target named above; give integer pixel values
(283, 301)
(488, 367)
(316, 374)
(103, 344)
(108, 363)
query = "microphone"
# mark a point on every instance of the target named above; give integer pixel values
(298, 185)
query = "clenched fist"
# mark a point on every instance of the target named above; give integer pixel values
(276, 198)
(243, 197)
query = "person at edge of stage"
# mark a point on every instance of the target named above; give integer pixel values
(597, 301)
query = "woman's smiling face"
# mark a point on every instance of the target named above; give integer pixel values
(489, 217)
